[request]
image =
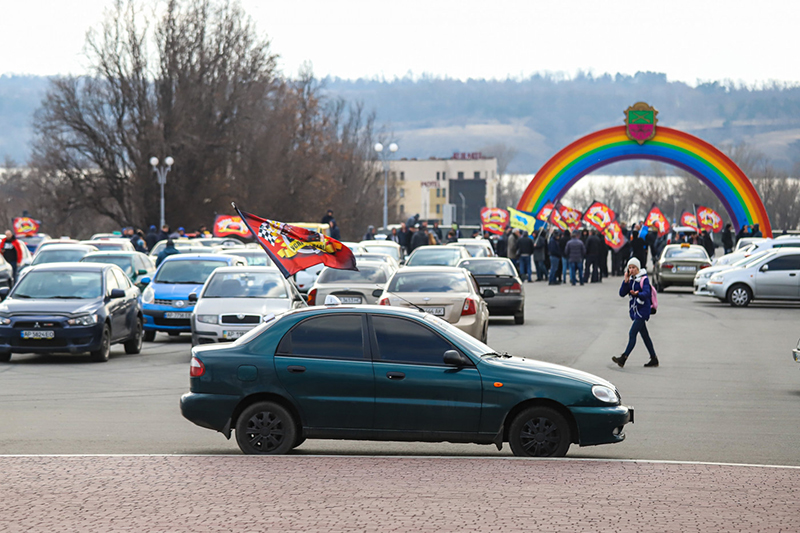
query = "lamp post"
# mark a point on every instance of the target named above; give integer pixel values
(161, 174)
(379, 149)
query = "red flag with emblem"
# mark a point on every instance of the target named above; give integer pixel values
(614, 236)
(544, 212)
(293, 248)
(494, 220)
(571, 217)
(688, 219)
(656, 219)
(708, 219)
(556, 220)
(25, 226)
(226, 225)
(599, 215)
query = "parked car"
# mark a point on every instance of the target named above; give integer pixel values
(52, 242)
(60, 253)
(447, 292)
(6, 273)
(305, 278)
(437, 256)
(386, 373)
(236, 299)
(351, 286)
(166, 299)
(745, 241)
(71, 308)
(476, 247)
(136, 265)
(253, 256)
(497, 274)
(383, 247)
(702, 277)
(382, 258)
(111, 245)
(181, 243)
(775, 276)
(32, 242)
(224, 242)
(678, 264)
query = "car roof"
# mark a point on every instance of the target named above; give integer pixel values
(425, 268)
(79, 267)
(684, 245)
(206, 257)
(247, 269)
(463, 240)
(106, 239)
(114, 253)
(83, 247)
(486, 259)
(345, 308)
(433, 247)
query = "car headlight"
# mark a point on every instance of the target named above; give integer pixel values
(4, 321)
(148, 295)
(207, 319)
(605, 394)
(717, 277)
(85, 320)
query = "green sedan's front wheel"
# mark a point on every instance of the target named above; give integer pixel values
(539, 432)
(266, 428)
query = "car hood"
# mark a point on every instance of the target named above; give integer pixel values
(246, 306)
(15, 306)
(540, 367)
(175, 291)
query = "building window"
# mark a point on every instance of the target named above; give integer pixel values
(461, 175)
(402, 208)
(402, 193)
(437, 176)
(437, 193)
(438, 208)
(444, 175)
(477, 174)
(402, 176)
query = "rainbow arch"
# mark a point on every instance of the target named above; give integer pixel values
(674, 147)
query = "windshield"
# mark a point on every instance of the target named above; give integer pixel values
(58, 256)
(500, 267)
(685, 253)
(476, 250)
(245, 285)
(101, 245)
(254, 259)
(123, 262)
(190, 271)
(465, 340)
(747, 260)
(378, 249)
(365, 274)
(428, 282)
(383, 258)
(435, 256)
(48, 284)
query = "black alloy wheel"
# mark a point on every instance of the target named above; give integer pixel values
(149, 335)
(134, 344)
(101, 354)
(265, 428)
(539, 432)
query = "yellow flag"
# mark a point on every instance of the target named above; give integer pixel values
(520, 220)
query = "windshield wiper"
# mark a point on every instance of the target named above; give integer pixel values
(503, 354)
(65, 297)
(22, 296)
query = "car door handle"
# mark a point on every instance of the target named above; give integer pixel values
(296, 369)
(395, 375)
(793, 274)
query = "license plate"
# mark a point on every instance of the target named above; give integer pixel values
(493, 289)
(39, 334)
(177, 315)
(687, 269)
(435, 311)
(350, 299)
(232, 334)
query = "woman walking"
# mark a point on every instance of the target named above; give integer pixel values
(637, 287)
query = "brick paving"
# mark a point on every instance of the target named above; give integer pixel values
(333, 494)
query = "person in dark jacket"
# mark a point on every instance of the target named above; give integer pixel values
(593, 249)
(164, 233)
(574, 253)
(636, 287)
(12, 253)
(138, 242)
(621, 256)
(328, 217)
(336, 233)
(525, 251)
(511, 250)
(540, 255)
(555, 258)
(370, 234)
(501, 247)
(451, 236)
(562, 243)
(727, 238)
(420, 238)
(708, 243)
(437, 230)
(151, 238)
(168, 250)
(638, 246)
(756, 231)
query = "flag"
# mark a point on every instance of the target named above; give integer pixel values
(494, 220)
(25, 226)
(225, 225)
(571, 217)
(614, 236)
(688, 219)
(293, 248)
(708, 219)
(544, 212)
(599, 215)
(556, 220)
(521, 220)
(655, 218)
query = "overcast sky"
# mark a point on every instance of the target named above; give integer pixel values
(741, 40)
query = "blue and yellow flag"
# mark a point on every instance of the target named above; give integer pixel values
(521, 220)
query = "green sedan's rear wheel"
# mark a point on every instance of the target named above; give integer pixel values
(265, 428)
(739, 295)
(539, 432)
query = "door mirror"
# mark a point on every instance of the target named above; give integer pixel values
(117, 293)
(144, 281)
(377, 293)
(488, 293)
(454, 358)
(764, 268)
(193, 297)
(4, 293)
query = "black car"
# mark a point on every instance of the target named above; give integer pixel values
(71, 308)
(497, 274)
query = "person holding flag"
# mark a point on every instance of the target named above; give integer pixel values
(637, 288)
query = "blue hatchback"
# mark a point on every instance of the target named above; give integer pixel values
(165, 301)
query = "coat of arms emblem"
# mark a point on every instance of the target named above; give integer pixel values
(640, 122)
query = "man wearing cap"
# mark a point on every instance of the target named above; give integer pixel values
(151, 238)
(637, 288)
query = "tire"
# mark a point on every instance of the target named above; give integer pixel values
(539, 432)
(723, 300)
(265, 428)
(134, 344)
(740, 295)
(5, 357)
(298, 441)
(519, 318)
(101, 354)
(149, 335)
(174, 334)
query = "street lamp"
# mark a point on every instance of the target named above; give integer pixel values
(161, 174)
(392, 148)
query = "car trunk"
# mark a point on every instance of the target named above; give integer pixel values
(497, 283)
(446, 305)
(351, 293)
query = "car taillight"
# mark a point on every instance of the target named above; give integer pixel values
(312, 297)
(384, 301)
(469, 307)
(704, 266)
(667, 265)
(196, 368)
(516, 288)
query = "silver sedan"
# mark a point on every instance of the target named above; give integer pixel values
(775, 276)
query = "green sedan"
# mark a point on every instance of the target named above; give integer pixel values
(392, 374)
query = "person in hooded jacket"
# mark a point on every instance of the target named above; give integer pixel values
(168, 250)
(555, 258)
(151, 238)
(540, 255)
(636, 286)
(12, 253)
(727, 238)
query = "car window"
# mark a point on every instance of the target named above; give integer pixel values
(435, 256)
(46, 284)
(428, 282)
(58, 256)
(111, 282)
(187, 271)
(121, 261)
(387, 250)
(245, 285)
(786, 245)
(685, 253)
(787, 262)
(326, 337)
(122, 279)
(499, 267)
(404, 341)
(365, 274)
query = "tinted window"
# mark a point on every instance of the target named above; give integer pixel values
(58, 256)
(111, 282)
(787, 262)
(428, 282)
(435, 256)
(328, 337)
(44, 284)
(121, 261)
(787, 245)
(245, 285)
(189, 271)
(122, 280)
(365, 274)
(499, 267)
(685, 253)
(404, 341)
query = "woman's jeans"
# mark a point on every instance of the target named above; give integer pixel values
(639, 327)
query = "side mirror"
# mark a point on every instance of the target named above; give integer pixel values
(377, 293)
(488, 293)
(4, 293)
(193, 297)
(144, 281)
(117, 293)
(402, 262)
(141, 271)
(454, 358)
(764, 268)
